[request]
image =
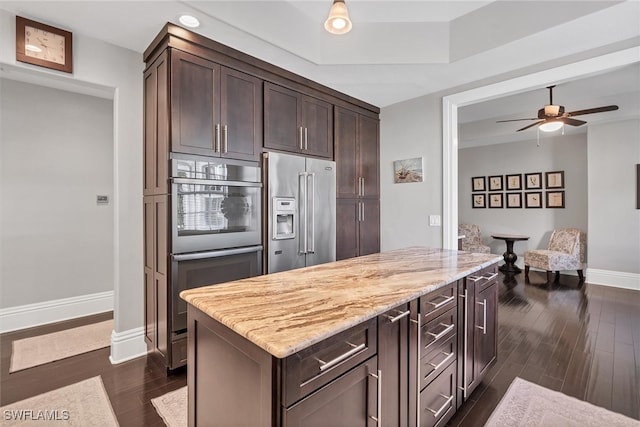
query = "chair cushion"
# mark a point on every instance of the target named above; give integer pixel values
(483, 249)
(564, 240)
(549, 260)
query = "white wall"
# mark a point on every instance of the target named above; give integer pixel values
(566, 153)
(614, 221)
(57, 155)
(99, 63)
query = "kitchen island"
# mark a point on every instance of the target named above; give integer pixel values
(373, 340)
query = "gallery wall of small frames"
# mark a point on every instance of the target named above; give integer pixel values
(535, 190)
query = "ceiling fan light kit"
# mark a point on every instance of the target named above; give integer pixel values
(338, 21)
(553, 117)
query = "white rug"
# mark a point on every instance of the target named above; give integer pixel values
(528, 404)
(81, 404)
(172, 407)
(42, 349)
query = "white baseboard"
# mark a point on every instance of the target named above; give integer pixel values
(127, 345)
(30, 315)
(616, 279)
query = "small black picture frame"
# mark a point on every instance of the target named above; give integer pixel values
(478, 201)
(533, 181)
(496, 201)
(514, 182)
(514, 200)
(533, 200)
(554, 199)
(478, 183)
(554, 179)
(496, 183)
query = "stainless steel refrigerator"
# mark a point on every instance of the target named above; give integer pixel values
(301, 205)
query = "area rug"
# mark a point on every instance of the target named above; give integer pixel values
(172, 407)
(528, 404)
(34, 351)
(81, 404)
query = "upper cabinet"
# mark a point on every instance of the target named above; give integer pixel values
(357, 154)
(297, 123)
(215, 110)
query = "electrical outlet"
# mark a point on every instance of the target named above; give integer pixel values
(434, 220)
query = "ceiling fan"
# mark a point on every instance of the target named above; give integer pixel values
(552, 117)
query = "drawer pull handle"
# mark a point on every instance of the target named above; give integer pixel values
(491, 277)
(356, 349)
(483, 328)
(448, 328)
(474, 279)
(378, 417)
(437, 413)
(441, 303)
(444, 362)
(398, 317)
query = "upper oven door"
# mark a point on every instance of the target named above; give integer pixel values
(214, 214)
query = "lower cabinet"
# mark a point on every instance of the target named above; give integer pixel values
(358, 232)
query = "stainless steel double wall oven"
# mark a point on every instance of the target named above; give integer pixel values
(215, 230)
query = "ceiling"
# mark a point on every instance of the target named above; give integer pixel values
(397, 50)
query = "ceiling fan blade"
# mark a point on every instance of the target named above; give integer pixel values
(515, 120)
(592, 110)
(572, 122)
(531, 125)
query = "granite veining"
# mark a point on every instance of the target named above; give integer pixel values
(286, 312)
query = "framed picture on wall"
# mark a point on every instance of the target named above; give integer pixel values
(554, 179)
(495, 183)
(514, 200)
(478, 183)
(514, 182)
(533, 181)
(495, 200)
(478, 201)
(555, 199)
(533, 200)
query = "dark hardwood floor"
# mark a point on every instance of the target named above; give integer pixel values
(584, 342)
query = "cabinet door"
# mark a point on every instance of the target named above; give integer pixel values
(368, 156)
(369, 225)
(317, 123)
(393, 362)
(240, 115)
(281, 118)
(349, 401)
(156, 126)
(346, 137)
(347, 214)
(485, 343)
(149, 268)
(195, 104)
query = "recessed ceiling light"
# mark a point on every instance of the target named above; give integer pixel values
(189, 21)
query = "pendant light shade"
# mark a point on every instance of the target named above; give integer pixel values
(551, 126)
(338, 21)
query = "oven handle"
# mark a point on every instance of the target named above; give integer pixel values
(214, 254)
(215, 182)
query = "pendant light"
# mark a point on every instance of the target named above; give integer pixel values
(338, 21)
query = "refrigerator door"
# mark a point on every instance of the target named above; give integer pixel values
(321, 211)
(283, 172)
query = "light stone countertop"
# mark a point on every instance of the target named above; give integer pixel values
(286, 312)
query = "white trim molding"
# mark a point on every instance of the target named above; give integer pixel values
(127, 345)
(42, 313)
(617, 279)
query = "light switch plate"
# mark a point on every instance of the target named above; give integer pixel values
(434, 220)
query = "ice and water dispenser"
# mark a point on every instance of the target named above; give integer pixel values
(284, 218)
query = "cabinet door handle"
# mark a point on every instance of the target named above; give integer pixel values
(466, 343)
(306, 139)
(437, 413)
(300, 135)
(474, 279)
(484, 317)
(398, 317)
(418, 340)
(356, 349)
(491, 277)
(225, 133)
(447, 329)
(441, 303)
(444, 362)
(362, 211)
(216, 142)
(362, 194)
(378, 417)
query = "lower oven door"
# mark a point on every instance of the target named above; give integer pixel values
(208, 268)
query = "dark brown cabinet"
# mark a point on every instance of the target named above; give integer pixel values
(358, 227)
(478, 315)
(297, 123)
(215, 110)
(156, 127)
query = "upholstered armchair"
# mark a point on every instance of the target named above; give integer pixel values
(566, 251)
(472, 240)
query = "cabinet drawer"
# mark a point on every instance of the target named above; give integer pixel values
(438, 359)
(438, 400)
(437, 302)
(313, 367)
(484, 278)
(437, 331)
